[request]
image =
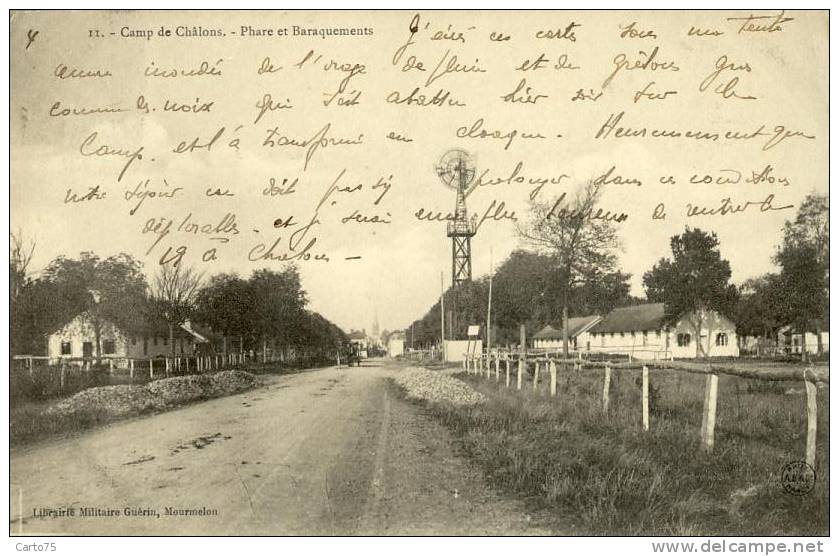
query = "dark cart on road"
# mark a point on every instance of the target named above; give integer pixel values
(350, 355)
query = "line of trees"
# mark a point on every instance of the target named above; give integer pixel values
(266, 309)
(571, 269)
(798, 293)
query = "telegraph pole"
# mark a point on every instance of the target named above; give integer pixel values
(489, 304)
(442, 319)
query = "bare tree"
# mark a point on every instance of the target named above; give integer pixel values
(580, 237)
(20, 256)
(174, 292)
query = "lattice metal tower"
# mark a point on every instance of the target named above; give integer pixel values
(457, 171)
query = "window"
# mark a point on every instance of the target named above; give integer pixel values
(108, 347)
(165, 341)
(133, 341)
(658, 333)
(722, 339)
(155, 340)
(621, 334)
(645, 337)
(611, 334)
(66, 349)
(683, 340)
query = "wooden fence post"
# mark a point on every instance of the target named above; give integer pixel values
(709, 413)
(497, 365)
(62, 375)
(507, 367)
(522, 354)
(607, 383)
(167, 367)
(812, 415)
(536, 376)
(111, 367)
(645, 397)
(151, 368)
(552, 367)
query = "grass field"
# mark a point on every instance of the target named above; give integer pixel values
(603, 475)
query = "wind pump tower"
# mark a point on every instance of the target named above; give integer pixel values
(456, 170)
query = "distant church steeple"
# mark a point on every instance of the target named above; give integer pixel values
(375, 331)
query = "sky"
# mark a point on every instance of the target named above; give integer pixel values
(393, 270)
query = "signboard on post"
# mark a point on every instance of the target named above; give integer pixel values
(472, 333)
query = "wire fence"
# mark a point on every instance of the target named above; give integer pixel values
(515, 368)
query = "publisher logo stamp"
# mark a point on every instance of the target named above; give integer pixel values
(798, 478)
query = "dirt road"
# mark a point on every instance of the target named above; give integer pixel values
(325, 452)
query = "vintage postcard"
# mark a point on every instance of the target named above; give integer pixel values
(382, 273)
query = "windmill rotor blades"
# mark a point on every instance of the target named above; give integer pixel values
(456, 169)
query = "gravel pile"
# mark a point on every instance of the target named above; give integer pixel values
(122, 400)
(117, 401)
(435, 386)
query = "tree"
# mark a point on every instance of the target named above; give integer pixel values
(20, 256)
(173, 295)
(804, 286)
(804, 258)
(811, 227)
(224, 303)
(694, 282)
(112, 289)
(581, 245)
(20, 289)
(524, 291)
(279, 307)
(760, 309)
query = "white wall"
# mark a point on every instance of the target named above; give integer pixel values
(395, 347)
(80, 330)
(653, 346)
(456, 349)
(579, 342)
(811, 342)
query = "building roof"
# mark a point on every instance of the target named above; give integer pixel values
(357, 335)
(649, 316)
(547, 333)
(576, 326)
